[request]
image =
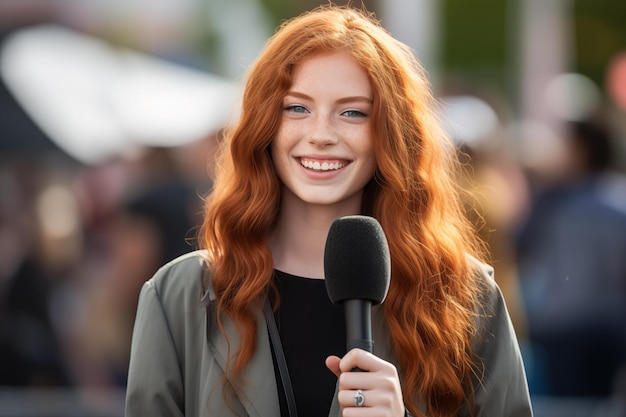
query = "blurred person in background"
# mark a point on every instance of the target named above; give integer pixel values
(571, 254)
(152, 223)
(31, 351)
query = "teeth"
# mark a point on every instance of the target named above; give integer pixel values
(323, 166)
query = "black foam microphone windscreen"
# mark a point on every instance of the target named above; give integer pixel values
(357, 264)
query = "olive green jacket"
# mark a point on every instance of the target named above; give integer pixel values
(178, 354)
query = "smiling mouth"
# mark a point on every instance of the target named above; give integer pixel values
(322, 165)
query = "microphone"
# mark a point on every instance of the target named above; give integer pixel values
(357, 271)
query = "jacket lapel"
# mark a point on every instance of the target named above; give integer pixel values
(335, 409)
(259, 396)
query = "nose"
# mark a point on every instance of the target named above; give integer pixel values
(323, 132)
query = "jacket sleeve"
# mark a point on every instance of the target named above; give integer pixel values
(155, 386)
(502, 388)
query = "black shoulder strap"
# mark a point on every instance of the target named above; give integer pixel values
(280, 359)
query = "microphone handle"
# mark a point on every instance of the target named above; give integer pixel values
(358, 324)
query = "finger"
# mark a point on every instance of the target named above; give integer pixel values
(369, 399)
(355, 358)
(350, 398)
(385, 378)
(332, 363)
(374, 403)
(366, 361)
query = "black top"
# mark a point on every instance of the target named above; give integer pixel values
(311, 328)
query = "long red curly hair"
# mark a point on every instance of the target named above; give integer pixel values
(431, 304)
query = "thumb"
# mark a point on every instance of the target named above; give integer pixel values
(332, 363)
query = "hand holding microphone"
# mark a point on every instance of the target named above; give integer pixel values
(357, 270)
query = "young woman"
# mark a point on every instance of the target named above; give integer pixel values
(337, 119)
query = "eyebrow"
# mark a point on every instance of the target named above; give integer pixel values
(348, 99)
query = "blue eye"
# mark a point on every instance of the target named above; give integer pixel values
(296, 108)
(354, 113)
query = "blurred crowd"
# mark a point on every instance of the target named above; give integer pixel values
(552, 209)
(77, 242)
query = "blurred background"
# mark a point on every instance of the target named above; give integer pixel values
(110, 112)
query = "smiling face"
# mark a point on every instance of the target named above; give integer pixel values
(323, 150)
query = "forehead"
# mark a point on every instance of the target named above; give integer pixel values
(336, 69)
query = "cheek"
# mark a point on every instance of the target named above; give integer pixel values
(277, 150)
(279, 143)
(369, 156)
(283, 142)
(372, 165)
(365, 148)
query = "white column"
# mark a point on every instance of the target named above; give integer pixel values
(417, 24)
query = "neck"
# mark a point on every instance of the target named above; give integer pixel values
(298, 239)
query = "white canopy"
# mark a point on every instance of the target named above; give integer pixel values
(95, 100)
